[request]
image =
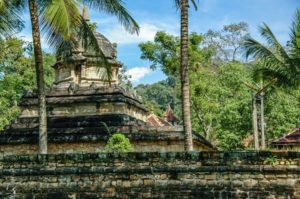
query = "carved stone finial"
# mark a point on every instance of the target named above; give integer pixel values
(86, 14)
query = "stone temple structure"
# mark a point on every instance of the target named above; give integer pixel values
(84, 109)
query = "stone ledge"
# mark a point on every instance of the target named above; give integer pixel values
(210, 158)
(94, 170)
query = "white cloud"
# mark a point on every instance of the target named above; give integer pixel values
(137, 73)
(117, 34)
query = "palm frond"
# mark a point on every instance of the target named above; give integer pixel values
(21, 5)
(116, 8)
(59, 19)
(85, 38)
(177, 4)
(90, 42)
(261, 52)
(283, 78)
(194, 2)
(272, 65)
(10, 20)
(269, 36)
(295, 38)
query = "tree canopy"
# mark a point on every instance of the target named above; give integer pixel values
(17, 75)
(220, 102)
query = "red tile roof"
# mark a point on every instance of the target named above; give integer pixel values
(154, 120)
(169, 118)
(292, 138)
(169, 115)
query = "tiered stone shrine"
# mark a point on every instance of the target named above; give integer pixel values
(84, 109)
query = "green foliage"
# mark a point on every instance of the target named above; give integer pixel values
(164, 52)
(159, 95)
(107, 129)
(17, 75)
(221, 105)
(230, 141)
(220, 102)
(282, 111)
(118, 143)
(272, 160)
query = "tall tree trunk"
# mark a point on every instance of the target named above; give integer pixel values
(39, 76)
(254, 123)
(185, 87)
(262, 115)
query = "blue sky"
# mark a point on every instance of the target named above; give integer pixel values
(157, 15)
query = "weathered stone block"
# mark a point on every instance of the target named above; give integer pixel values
(148, 182)
(250, 183)
(126, 184)
(211, 177)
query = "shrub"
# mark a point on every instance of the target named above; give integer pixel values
(118, 143)
(272, 160)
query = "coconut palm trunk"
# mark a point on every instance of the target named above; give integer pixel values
(184, 71)
(262, 120)
(254, 123)
(38, 56)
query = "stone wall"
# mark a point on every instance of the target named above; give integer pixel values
(152, 175)
(99, 146)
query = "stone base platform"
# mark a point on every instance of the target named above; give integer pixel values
(81, 119)
(90, 134)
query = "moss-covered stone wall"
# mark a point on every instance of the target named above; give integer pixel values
(152, 175)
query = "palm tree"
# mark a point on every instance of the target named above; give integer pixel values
(274, 60)
(39, 70)
(184, 71)
(62, 23)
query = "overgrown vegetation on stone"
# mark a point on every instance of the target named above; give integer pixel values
(272, 160)
(118, 143)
